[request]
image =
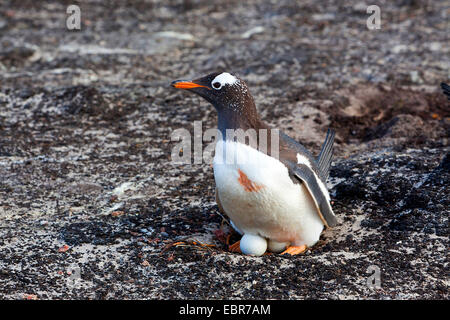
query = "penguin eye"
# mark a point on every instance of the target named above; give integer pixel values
(217, 85)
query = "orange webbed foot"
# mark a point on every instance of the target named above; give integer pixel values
(293, 250)
(235, 247)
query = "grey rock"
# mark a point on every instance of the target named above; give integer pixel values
(85, 145)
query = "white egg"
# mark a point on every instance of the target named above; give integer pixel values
(277, 247)
(253, 245)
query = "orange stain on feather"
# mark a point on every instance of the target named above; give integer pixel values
(248, 184)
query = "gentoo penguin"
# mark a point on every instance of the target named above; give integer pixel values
(277, 200)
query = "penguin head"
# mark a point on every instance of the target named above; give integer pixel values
(226, 92)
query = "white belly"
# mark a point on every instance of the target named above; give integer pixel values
(260, 198)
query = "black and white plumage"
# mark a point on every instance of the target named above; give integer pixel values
(275, 202)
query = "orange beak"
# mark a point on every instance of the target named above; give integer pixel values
(181, 84)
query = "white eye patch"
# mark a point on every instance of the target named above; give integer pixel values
(223, 79)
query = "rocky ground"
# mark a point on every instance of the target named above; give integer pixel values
(91, 206)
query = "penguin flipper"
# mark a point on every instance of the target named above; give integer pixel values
(319, 194)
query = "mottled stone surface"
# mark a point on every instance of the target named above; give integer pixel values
(90, 202)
